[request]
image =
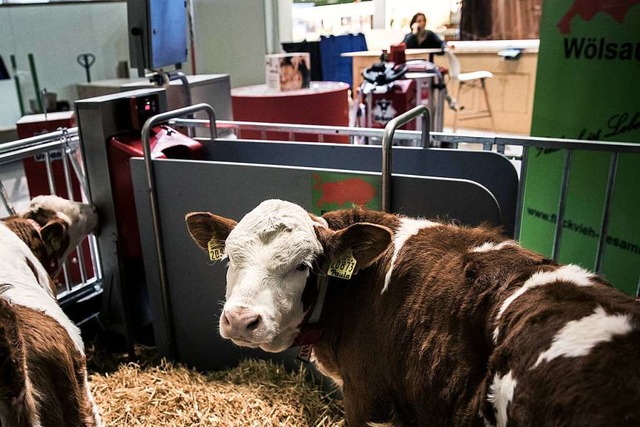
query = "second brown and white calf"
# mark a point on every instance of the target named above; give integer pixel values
(43, 377)
(438, 325)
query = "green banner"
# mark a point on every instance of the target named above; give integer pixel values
(587, 87)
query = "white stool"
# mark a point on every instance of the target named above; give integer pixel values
(465, 83)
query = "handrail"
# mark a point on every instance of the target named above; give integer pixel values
(20, 152)
(302, 129)
(38, 139)
(15, 150)
(387, 139)
(485, 141)
(540, 142)
(153, 199)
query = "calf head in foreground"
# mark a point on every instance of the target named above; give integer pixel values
(43, 378)
(429, 323)
(271, 254)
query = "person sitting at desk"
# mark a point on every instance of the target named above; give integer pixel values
(420, 37)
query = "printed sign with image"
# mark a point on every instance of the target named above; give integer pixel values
(288, 71)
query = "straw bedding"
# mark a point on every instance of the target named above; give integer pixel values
(154, 392)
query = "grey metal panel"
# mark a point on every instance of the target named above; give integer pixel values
(444, 199)
(490, 169)
(100, 118)
(196, 288)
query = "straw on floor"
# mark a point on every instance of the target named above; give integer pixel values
(255, 393)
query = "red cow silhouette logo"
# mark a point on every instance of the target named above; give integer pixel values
(587, 9)
(354, 190)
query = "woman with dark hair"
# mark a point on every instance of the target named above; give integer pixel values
(420, 37)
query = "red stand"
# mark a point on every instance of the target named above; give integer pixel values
(323, 103)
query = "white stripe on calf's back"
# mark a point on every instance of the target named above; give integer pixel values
(567, 273)
(492, 246)
(578, 337)
(408, 227)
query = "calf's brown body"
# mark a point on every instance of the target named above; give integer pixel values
(43, 377)
(473, 330)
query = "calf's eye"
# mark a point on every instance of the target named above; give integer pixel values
(302, 267)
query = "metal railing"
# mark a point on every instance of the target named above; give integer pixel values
(64, 145)
(520, 146)
(60, 146)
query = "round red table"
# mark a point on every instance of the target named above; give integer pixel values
(322, 103)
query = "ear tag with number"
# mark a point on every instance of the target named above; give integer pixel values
(216, 250)
(343, 266)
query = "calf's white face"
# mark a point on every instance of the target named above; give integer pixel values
(270, 253)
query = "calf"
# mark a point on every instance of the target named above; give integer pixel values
(430, 324)
(43, 378)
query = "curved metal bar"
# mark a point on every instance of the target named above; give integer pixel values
(185, 85)
(186, 88)
(387, 140)
(155, 220)
(180, 112)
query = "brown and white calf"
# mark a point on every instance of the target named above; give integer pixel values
(43, 377)
(439, 324)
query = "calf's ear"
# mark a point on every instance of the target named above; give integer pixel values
(205, 227)
(366, 242)
(54, 236)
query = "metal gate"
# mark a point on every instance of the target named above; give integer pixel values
(65, 145)
(78, 294)
(239, 173)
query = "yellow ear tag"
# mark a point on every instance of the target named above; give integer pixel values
(216, 250)
(343, 266)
